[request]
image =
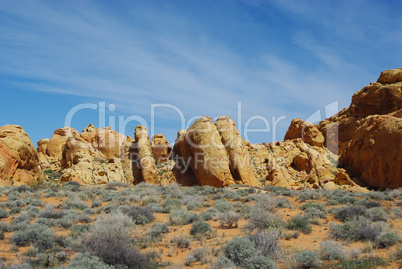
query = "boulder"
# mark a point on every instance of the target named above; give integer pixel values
(237, 150)
(19, 160)
(160, 148)
(308, 132)
(374, 152)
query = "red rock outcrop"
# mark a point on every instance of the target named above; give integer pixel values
(375, 151)
(239, 158)
(379, 98)
(19, 161)
(160, 148)
(307, 131)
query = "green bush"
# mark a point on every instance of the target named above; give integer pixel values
(170, 205)
(38, 235)
(261, 219)
(140, 215)
(329, 250)
(306, 259)
(267, 244)
(350, 212)
(4, 213)
(357, 229)
(96, 203)
(86, 261)
(378, 214)
(197, 255)
(386, 240)
(239, 249)
(201, 228)
(223, 206)
(182, 241)
(229, 219)
(223, 263)
(300, 223)
(258, 262)
(181, 217)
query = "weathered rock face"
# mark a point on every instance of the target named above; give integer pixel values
(160, 148)
(239, 158)
(212, 154)
(295, 164)
(374, 152)
(19, 161)
(144, 161)
(382, 97)
(106, 140)
(308, 132)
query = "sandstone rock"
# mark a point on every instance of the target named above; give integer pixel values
(308, 132)
(182, 156)
(144, 161)
(208, 158)
(302, 163)
(105, 140)
(239, 159)
(374, 152)
(160, 148)
(390, 76)
(19, 160)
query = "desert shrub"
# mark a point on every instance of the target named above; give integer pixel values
(182, 241)
(331, 202)
(169, 205)
(378, 195)
(283, 202)
(266, 242)
(150, 199)
(229, 194)
(239, 249)
(386, 240)
(197, 255)
(193, 205)
(265, 202)
(223, 263)
(229, 219)
(330, 250)
(306, 259)
(68, 220)
(109, 196)
(96, 203)
(300, 223)
(86, 261)
(156, 231)
(33, 211)
(395, 213)
(140, 215)
(80, 229)
(84, 218)
(366, 262)
(201, 228)
(4, 213)
(378, 214)
(109, 239)
(223, 206)
(350, 212)
(309, 194)
(318, 206)
(259, 261)
(75, 203)
(1, 236)
(89, 211)
(206, 215)
(155, 207)
(38, 235)
(115, 184)
(357, 229)
(181, 217)
(369, 203)
(109, 208)
(50, 213)
(262, 220)
(23, 265)
(313, 213)
(291, 234)
(21, 218)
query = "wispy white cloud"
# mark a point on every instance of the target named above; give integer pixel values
(146, 56)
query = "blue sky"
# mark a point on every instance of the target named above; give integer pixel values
(278, 58)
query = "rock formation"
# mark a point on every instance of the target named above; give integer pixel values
(307, 131)
(375, 151)
(160, 148)
(19, 161)
(239, 158)
(144, 160)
